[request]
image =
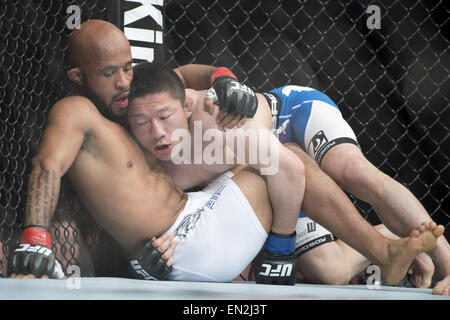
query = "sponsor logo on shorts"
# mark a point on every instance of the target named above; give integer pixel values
(273, 110)
(324, 150)
(212, 201)
(187, 225)
(327, 146)
(311, 226)
(282, 133)
(283, 128)
(318, 141)
(313, 244)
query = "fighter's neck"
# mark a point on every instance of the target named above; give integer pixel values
(74, 91)
(119, 120)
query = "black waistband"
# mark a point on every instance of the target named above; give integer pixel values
(274, 102)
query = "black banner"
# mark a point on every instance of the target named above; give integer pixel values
(142, 21)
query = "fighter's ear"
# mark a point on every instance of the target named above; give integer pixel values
(75, 76)
(188, 105)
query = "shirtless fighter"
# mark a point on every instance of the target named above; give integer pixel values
(312, 120)
(130, 199)
(157, 111)
(133, 199)
(284, 184)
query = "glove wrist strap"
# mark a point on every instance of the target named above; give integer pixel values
(36, 235)
(280, 243)
(220, 72)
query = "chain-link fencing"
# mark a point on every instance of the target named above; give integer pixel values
(385, 63)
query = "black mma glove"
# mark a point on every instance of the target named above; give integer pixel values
(234, 97)
(147, 263)
(276, 264)
(34, 256)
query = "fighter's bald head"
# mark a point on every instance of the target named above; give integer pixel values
(100, 66)
(94, 38)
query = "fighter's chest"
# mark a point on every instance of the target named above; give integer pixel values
(112, 146)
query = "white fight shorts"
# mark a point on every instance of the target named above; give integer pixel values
(310, 235)
(218, 234)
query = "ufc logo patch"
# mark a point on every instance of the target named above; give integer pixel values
(282, 270)
(242, 87)
(140, 271)
(25, 247)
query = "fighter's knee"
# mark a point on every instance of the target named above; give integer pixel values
(298, 166)
(358, 176)
(293, 167)
(295, 148)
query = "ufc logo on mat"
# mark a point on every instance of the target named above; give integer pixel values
(282, 270)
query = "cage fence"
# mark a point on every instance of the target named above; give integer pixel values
(390, 78)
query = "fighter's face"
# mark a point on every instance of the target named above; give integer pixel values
(107, 79)
(153, 119)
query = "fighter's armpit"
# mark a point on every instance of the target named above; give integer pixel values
(67, 123)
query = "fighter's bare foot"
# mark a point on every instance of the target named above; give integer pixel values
(403, 251)
(442, 287)
(422, 269)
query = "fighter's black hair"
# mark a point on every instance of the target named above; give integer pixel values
(152, 77)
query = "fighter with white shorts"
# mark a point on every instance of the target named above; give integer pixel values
(312, 120)
(218, 234)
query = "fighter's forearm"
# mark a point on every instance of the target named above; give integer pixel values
(43, 191)
(34, 255)
(196, 76)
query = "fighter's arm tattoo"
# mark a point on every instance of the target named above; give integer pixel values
(43, 190)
